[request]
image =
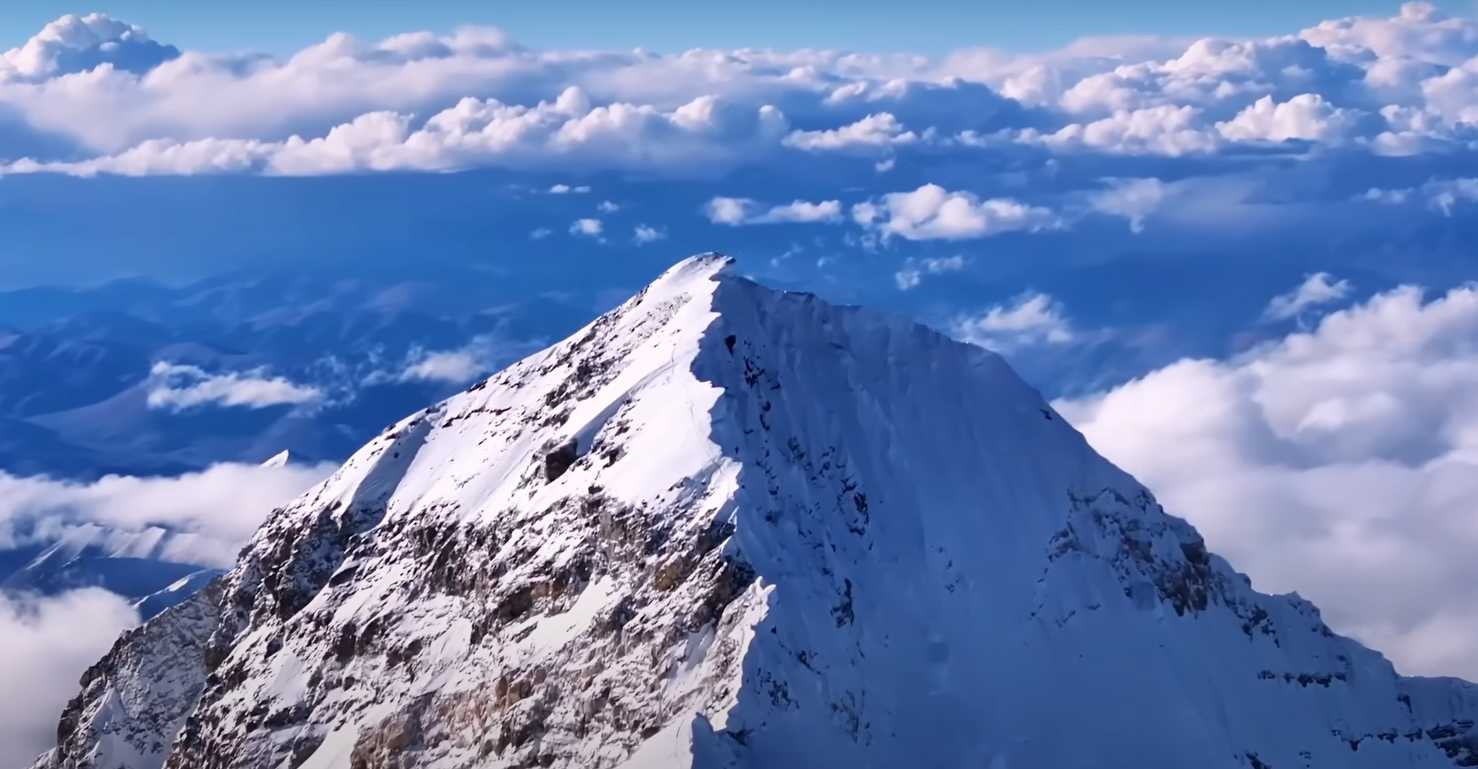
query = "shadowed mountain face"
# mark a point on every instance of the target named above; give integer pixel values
(136, 565)
(724, 526)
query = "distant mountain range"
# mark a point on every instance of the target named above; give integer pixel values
(78, 366)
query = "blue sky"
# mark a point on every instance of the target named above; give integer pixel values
(668, 25)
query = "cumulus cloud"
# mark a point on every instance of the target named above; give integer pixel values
(73, 44)
(1210, 73)
(1159, 130)
(566, 189)
(178, 386)
(349, 105)
(45, 645)
(1317, 289)
(701, 136)
(741, 211)
(877, 131)
(1346, 459)
(643, 234)
(211, 512)
(933, 213)
(913, 271)
(1419, 32)
(588, 228)
(1306, 117)
(418, 101)
(1031, 319)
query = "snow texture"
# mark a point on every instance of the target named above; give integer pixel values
(724, 526)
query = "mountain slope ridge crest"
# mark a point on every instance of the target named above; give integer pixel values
(723, 526)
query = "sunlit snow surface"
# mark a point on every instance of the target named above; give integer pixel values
(724, 526)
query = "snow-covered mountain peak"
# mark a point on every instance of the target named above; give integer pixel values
(725, 526)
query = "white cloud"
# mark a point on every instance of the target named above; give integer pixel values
(1209, 74)
(1419, 32)
(482, 355)
(1317, 289)
(741, 211)
(607, 207)
(179, 386)
(1306, 117)
(1031, 319)
(702, 136)
(565, 189)
(1159, 130)
(1386, 197)
(1132, 199)
(45, 645)
(730, 211)
(1442, 195)
(74, 44)
(1445, 195)
(540, 233)
(801, 211)
(933, 213)
(162, 157)
(876, 131)
(589, 228)
(212, 511)
(1345, 463)
(913, 271)
(349, 105)
(643, 234)
(453, 366)
(1451, 95)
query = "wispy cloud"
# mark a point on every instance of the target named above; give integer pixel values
(913, 271)
(736, 212)
(1317, 289)
(177, 386)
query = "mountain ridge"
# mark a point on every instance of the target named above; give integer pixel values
(722, 526)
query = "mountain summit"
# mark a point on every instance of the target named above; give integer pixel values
(725, 526)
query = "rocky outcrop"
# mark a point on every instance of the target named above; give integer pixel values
(134, 700)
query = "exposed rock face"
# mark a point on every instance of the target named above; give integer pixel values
(728, 527)
(135, 699)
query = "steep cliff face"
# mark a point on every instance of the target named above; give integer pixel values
(724, 526)
(134, 700)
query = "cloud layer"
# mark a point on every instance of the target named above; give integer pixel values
(45, 645)
(212, 512)
(420, 101)
(1340, 462)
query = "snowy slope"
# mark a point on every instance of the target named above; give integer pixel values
(133, 564)
(724, 526)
